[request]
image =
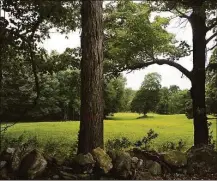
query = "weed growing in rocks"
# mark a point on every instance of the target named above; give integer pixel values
(146, 141)
(118, 144)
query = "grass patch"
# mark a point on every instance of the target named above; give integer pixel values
(170, 128)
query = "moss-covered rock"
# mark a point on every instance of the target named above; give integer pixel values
(121, 163)
(155, 169)
(202, 160)
(103, 161)
(175, 158)
(32, 165)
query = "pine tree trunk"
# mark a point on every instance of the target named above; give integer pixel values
(197, 20)
(91, 120)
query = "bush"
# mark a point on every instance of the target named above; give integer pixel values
(168, 146)
(23, 142)
(147, 140)
(118, 144)
(211, 140)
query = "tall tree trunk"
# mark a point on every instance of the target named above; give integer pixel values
(91, 120)
(197, 20)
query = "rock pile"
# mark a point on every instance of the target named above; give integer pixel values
(135, 164)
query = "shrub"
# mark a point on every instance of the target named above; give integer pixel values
(147, 140)
(168, 146)
(118, 144)
(23, 141)
(211, 140)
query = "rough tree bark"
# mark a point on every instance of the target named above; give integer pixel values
(197, 20)
(91, 120)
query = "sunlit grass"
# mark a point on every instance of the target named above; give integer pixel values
(169, 127)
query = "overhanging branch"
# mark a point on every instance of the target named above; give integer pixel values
(160, 62)
(211, 37)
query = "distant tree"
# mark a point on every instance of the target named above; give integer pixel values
(147, 97)
(163, 104)
(128, 97)
(114, 90)
(178, 100)
(174, 89)
(211, 86)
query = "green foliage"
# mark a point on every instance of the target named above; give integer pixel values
(146, 141)
(118, 144)
(163, 104)
(211, 86)
(131, 38)
(59, 87)
(23, 142)
(147, 97)
(174, 101)
(128, 97)
(168, 146)
(114, 90)
(211, 140)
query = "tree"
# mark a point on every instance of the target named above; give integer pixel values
(134, 45)
(147, 97)
(114, 90)
(163, 104)
(28, 24)
(91, 125)
(128, 98)
(211, 86)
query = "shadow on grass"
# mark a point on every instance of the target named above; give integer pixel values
(145, 117)
(127, 118)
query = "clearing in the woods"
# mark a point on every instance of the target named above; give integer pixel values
(131, 125)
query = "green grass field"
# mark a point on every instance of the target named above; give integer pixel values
(169, 127)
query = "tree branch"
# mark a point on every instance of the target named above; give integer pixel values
(182, 15)
(160, 62)
(211, 37)
(212, 47)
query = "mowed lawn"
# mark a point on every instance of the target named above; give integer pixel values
(169, 127)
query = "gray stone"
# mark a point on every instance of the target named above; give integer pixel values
(4, 174)
(175, 158)
(143, 176)
(155, 169)
(201, 159)
(56, 177)
(16, 160)
(32, 165)
(86, 159)
(103, 161)
(85, 163)
(2, 164)
(136, 163)
(67, 176)
(121, 163)
(7, 155)
(10, 150)
(148, 163)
